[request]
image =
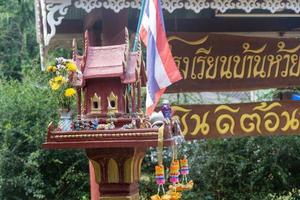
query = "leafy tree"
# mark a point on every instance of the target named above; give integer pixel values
(18, 47)
(245, 168)
(26, 170)
(253, 168)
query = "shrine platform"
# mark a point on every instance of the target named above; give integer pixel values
(85, 139)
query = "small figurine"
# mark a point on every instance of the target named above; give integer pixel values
(81, 125)
(86, 125)
(133, 123)
(101, 126)
(127, 126)
(166, 109)
(95, 123)
(77, 125)
(110, 126)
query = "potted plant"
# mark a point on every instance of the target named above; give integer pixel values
(63, 87)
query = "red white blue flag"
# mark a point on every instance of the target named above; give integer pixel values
(161, 68)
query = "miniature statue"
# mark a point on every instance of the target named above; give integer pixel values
(132, 125)
(127, 126)
(110, 126)
(101, 126)
(77, 126)
(86, 125)
(95, 123)
(166, 110)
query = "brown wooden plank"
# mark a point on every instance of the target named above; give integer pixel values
(236, 120)
(219, 62)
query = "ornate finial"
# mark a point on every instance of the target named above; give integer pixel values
(139, 51)
(74, 48)
(86, 40)
(127, 45)
(126, 35)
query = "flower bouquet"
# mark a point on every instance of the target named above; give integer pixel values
(64, 79)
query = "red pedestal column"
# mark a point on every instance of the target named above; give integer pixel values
(94, 186)
(117, 170)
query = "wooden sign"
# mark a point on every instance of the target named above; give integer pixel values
(235, 120)
(219, 62)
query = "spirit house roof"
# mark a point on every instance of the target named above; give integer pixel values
(107, 61)
(112, 60)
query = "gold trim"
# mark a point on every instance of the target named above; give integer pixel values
(197, 42)
(132, 197)
(95, 99)
(113, 171)
(104, 135)
(112, 98)
(140, 167)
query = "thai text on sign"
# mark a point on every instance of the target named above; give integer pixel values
(218, 62)
(247, 119)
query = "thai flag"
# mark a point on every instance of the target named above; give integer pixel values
(161, 68)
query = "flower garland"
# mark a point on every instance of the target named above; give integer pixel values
(179, 169)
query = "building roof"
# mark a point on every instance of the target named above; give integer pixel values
(60, 20)
(106, 61)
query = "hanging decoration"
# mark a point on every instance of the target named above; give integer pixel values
(179, 169)
(159, 168)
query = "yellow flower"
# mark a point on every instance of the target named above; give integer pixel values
(51, 68)
(71, 66)
(60, 80)
(54, 85)
(69, 92)
(56, 82)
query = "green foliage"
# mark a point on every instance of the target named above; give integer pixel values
(18, 47)
(26, 170)
(246, 168)
(255, 168)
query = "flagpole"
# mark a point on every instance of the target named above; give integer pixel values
(138, 26)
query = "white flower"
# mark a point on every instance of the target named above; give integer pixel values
(60, 60)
